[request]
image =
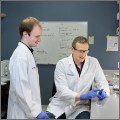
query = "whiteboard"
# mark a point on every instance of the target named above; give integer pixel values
(56, 40)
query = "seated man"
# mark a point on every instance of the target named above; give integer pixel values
(74, 76)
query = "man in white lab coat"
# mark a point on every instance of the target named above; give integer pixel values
(24, 94)
(74, 77)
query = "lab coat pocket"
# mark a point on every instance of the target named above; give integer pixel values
(35, 74)
(70, 74)
(34, 70)
(34, 83)
(34, 67)
(71, 80)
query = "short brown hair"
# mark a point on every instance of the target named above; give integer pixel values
(79, 39)
(27, 25)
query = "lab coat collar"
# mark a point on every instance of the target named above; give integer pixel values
(24, 46)
(31, 50)
(85, 67)
(21, 44)
(73, 68)
(72, 62)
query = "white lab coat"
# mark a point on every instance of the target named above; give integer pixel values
(24, 94)
(68, 84)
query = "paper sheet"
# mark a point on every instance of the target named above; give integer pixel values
(112, 43)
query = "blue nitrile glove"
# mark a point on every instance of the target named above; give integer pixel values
(42, 115)
(102, 94)
(89, 95)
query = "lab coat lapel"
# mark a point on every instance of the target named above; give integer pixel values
(72, 66)
(28, 52)
(85, 67)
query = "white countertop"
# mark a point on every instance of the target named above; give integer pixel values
(105, 109)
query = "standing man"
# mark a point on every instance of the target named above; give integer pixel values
(74, 77)
(24, 94)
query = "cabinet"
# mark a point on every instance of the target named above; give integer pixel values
(4, 99)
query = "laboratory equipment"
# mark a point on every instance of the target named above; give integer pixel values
(116, 82)
(4, 68)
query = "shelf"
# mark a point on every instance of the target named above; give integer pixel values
(2, 14)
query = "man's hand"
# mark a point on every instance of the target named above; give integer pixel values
(42, 115)
(102, 94)
(89, 95)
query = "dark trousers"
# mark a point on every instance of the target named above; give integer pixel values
(82, 115)
(63, 116)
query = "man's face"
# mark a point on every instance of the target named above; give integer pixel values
(80, 52)
(34, 38)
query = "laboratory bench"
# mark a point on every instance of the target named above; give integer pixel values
(107, 108)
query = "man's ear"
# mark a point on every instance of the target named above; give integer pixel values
(71, 49)
(25, 34)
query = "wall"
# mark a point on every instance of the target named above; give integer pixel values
(101, 17)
